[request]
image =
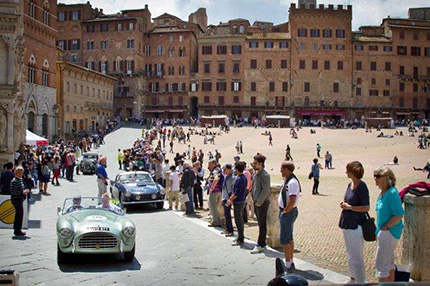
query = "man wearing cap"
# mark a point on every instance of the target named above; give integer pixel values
(187, 182)
(227, 189)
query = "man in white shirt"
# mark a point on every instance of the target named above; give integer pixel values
(173, 188)
(288, 201)
(166, 168)
(106, 205)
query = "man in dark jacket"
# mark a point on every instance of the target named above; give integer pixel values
(18, 195)
(6, 177)
(187, 182)
(261, 197)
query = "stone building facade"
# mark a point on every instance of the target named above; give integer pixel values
(12, 49)
(40, 32)
(170, 56)
(110, 44)
(84, 97)
(311, 66)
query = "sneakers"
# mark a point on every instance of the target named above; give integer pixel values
(350, 281)
(228, 234)
(236, 243)
(257, 249)
(291, 268)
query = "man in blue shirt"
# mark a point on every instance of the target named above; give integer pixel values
(102, 177)
(238, 199)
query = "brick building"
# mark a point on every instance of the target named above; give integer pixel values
(110, 44)
(315, 65)
(170, 56)
(40, 29)
(85, 98)
(311, 66)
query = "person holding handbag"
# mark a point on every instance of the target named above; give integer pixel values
(389, 225)
(354, 207)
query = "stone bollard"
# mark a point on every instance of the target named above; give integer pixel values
(416, 236)
(273, 218)
(221, 213)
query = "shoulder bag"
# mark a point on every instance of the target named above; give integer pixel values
(369, 228)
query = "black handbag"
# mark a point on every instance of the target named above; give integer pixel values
(311, 175)
(369, 228)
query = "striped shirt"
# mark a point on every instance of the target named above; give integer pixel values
(16, 188)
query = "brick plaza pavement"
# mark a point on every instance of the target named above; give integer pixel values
(317, 236)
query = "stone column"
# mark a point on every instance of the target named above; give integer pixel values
(273, 217)
(416, 236)
(10, 135)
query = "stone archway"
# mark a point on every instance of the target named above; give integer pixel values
(31, 121)
(45, 125)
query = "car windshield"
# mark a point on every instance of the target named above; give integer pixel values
(90, 156)
(87, 203)
(135, 178)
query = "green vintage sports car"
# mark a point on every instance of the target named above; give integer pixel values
(83, 226)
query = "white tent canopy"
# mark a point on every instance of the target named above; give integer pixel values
(35, 140)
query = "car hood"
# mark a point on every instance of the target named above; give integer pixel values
(142, 188)
(93, 216)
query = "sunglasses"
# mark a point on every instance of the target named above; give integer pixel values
(377, 176)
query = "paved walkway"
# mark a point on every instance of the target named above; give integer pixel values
(171, 250)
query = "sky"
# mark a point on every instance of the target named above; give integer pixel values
(365, 12)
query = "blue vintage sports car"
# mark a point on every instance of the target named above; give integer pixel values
(137, 187)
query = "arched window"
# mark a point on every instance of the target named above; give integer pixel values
(30, 121)
(75, 109)
(241, 29)
(235, 30)
(45, 125)
(67, 108)
(45, 73)
(31, 69)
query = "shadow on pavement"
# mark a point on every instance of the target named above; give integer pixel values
(143, 208)
(98, 263)
(311, 275)
(34, 223)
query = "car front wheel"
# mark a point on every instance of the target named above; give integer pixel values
(61, 256)
(129, 256)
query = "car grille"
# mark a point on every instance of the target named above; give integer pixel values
(97, 241)
(145, 197)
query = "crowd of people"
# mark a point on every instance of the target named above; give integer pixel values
(241, 187)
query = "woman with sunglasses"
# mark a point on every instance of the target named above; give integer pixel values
(389, 225)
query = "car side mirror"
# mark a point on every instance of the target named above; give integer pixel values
(58, 211)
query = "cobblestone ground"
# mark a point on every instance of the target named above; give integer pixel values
(318, 238)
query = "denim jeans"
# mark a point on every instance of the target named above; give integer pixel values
(227, 214)
(261, 213)
(238, 219)
(198, 196)
(189, 205)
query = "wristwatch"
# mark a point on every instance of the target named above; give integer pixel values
(350, 208)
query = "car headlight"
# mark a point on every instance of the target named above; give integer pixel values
(127, 194)
(162, 191)
(66, 232)
(128, 231)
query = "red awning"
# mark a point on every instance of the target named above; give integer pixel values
(321, 112)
